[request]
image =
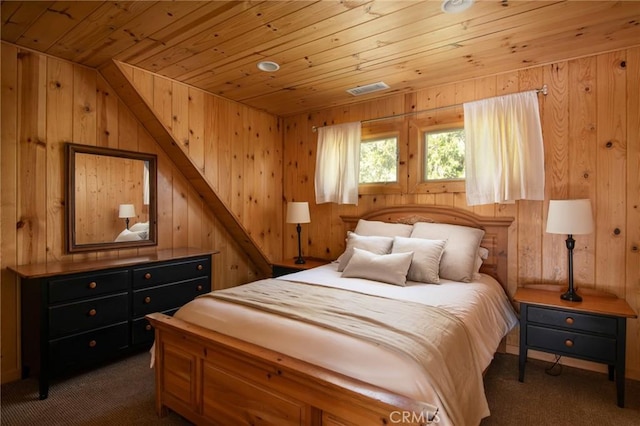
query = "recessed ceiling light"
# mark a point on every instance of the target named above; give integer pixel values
(455, 6)
(268, 66)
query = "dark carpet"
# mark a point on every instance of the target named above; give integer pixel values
(575, 397)
(122, 393)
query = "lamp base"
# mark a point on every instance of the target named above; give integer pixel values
(571, 296)
(300, 261)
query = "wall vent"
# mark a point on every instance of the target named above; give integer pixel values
(369, 88)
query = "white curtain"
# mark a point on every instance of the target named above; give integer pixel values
(338, 163)
(504, 150)
(145, 184)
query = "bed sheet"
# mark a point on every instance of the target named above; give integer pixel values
(481, 305)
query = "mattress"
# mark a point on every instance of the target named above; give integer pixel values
(481, 305)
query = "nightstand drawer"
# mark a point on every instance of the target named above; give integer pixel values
(573, 320)
(87, 314)
(279, 271)
(169, 296)
(176, 271)
(595, 348)
(89, 285)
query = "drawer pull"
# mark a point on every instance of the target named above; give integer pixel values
(199, 287)
(569, 320)
(568, 343)
(200, 268)
(147, 299)
(147, 276)
(147, 327)
(92, 344)
(93, 285)
(92, 313)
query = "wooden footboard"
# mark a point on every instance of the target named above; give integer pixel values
(210, 378)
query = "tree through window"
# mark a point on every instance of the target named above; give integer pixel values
(379, 160)
(444, 155)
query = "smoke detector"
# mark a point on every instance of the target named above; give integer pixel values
(369, 88)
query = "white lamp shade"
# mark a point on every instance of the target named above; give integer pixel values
(570, 217)
(126, 211)
(298, 212)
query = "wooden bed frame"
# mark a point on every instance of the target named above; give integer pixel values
(211, 378)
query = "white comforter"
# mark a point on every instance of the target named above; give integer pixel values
(481, 305)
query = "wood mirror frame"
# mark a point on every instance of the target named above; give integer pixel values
(96, 209)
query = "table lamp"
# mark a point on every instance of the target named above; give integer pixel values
(570, 217)
(298, 212)
(126, 211)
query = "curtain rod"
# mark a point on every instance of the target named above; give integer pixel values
(544, 90)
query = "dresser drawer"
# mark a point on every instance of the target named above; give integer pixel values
(582, 345)
(161, 298)
(87, 314)
(143, 332)
(88, 347)
(170, 272)
(89, 285)
(572, 320)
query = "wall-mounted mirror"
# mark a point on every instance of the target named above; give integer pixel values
(111, 198)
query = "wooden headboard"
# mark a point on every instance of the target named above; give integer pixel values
(495, 237)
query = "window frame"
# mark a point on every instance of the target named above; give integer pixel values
(417, 130)
(376, 130)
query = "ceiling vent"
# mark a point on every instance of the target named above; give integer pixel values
(369, 88)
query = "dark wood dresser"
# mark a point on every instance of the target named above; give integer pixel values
(80, 314)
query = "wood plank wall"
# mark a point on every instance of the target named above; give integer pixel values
(237, 148)
(591, 130)
(47, 101)
(102, 184)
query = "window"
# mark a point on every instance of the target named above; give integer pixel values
(444, 155)
(379, 160)
(383, 154)
(436, 154)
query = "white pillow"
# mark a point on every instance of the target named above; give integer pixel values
(140, 226)
(374, 244)
(459, 257)
(383, 229)
(127, 235)
(425, 264)
(387, 268)
(483, 254)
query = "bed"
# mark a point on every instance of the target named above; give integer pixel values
(254, 355)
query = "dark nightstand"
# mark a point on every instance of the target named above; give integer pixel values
(289, 266)
(593, 330)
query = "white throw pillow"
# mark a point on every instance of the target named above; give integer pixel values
(139, 226)
(387, 268)
(482, 255)
(374, 244)
(383, 229)
(425, 265)
(127, 235)
(459, 257)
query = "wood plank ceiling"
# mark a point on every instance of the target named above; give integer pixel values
(323, 47)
